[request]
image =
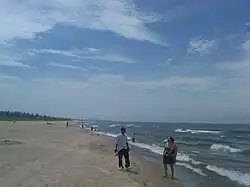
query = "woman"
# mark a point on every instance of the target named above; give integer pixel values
(133, 138)
(169, 156)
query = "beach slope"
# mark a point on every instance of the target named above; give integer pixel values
(50, 155)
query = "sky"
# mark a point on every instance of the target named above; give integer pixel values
(133, 60)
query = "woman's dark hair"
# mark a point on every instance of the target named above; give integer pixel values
(171, 138)
(123, 129)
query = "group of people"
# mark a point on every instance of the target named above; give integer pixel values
(122, 150)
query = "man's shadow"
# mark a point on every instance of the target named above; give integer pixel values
(132, 171)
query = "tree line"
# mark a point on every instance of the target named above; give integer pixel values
(25, 116)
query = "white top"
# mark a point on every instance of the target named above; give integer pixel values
(121, 141)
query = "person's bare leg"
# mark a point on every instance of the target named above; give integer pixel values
(166, 170)
(172, 170)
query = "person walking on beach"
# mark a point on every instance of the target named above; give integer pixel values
(133, 138)
(169, 156)
(122, 149)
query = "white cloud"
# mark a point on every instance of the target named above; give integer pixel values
(72, 53)
(110, 80)
(111, 58)
(67, 66)
(238, 70)
(88, 53)
(201, 46)
(117, 16)
(92, 50)
(166, 63)
(246, 47)
(124, 99)
(12, 61)
(4, 77)
(241, 66)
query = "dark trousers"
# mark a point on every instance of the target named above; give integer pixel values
(125, 153)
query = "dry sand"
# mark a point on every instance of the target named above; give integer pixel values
(34, 154)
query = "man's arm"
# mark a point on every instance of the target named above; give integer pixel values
(127, 143)
(176, 150)
(116, 144)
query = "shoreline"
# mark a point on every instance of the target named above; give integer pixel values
(52, 155)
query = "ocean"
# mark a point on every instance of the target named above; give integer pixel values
(209, 154)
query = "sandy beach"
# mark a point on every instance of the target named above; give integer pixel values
(42, 155)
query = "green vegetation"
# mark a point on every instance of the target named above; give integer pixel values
(24, 116)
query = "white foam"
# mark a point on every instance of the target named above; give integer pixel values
(188, 166)
(185, 158)
(157, 150)
(153, 148)
(196, 131)
(111, 135)
(115, 125)
(221, 147)
(196, 152)
(236, 176)
(132, 125)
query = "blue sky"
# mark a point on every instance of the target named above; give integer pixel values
(140, 60)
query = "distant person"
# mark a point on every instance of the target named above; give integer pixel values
(91, 128)
(122, 149)
(169, 156)
(133, 138)
(67, 124)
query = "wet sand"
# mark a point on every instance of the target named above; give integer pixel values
(36, 154)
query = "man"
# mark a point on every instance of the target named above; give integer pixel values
(122, 149)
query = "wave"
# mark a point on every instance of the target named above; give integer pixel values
(188, 166)
(127, 125)
(115, 125)
(187, 143)
(236, 176)
(182, 157)
(197, 131)
(221, 147)
(156, 149)
(111, 134)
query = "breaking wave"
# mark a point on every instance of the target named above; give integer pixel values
(197, 131)
(221, 147)
(236, 176)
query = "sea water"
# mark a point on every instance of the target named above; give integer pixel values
(209, 154)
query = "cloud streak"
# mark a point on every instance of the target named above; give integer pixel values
(4, 77)
(67, 66)
(111, 58)
(8, 61)
(113, 81)
(88, 53)
(117, 16)
(166, 63)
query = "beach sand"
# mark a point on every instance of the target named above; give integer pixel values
(36, 154)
